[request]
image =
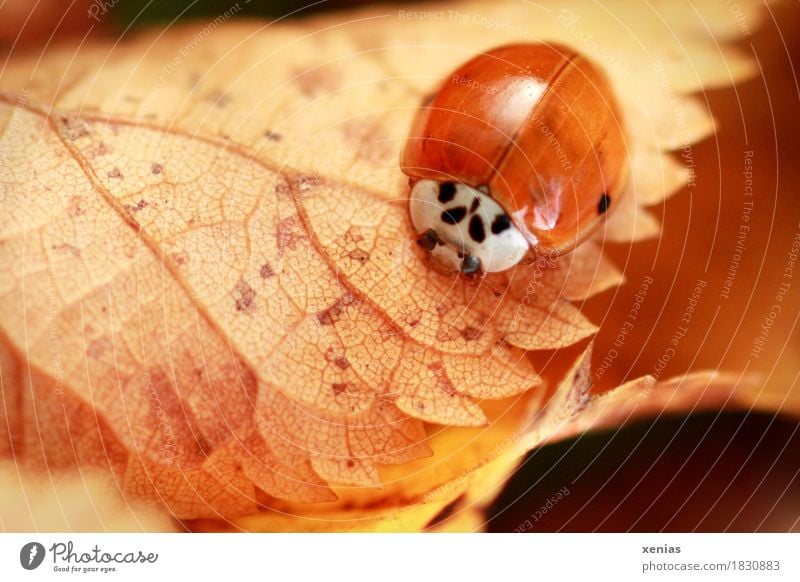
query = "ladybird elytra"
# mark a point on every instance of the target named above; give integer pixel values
(534, 128)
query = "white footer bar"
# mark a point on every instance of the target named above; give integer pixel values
(389, 557)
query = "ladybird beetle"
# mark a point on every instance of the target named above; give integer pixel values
(521, 148)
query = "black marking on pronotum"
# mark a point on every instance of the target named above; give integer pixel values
(454, 215)
(476, 230)
(605, 202)
(428, 239)
(475, 204)
(447, 191)
(500, 223)
(470, 265)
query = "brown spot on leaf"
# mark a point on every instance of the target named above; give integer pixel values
(272, 136)
(339, 388)
(266, 271)
(353, 235)
(304, 182)
(245, 297)
(368, 139)
(340, 361)
(179, 258)
(115, 174)
(73, 250)
(75, 207)
(442, 381)
(136, 207)
(447, 333)
(289, 234)
(283, 190)
(317, 81)
(470, 333)
(331, 315)
(98, 347)
(156, 168)
(218, 98)
(72, 128)
(203, 444)
(359, 255)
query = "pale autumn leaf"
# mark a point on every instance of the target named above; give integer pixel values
(213, 290)
(76, 502)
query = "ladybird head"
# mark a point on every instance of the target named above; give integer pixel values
(464, 228)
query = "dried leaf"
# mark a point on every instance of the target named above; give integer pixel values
(572, 411)
(212, 290)
(70, 502)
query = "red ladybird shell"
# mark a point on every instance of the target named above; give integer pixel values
(539, 125)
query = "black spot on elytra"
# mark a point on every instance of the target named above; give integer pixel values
(476, 230)
(454, 215)
(428, 240)
(500, 223)
(475, 204)
(605, 202)
(447, 191)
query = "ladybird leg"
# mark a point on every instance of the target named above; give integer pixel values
(470, 264)
(428, 240)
